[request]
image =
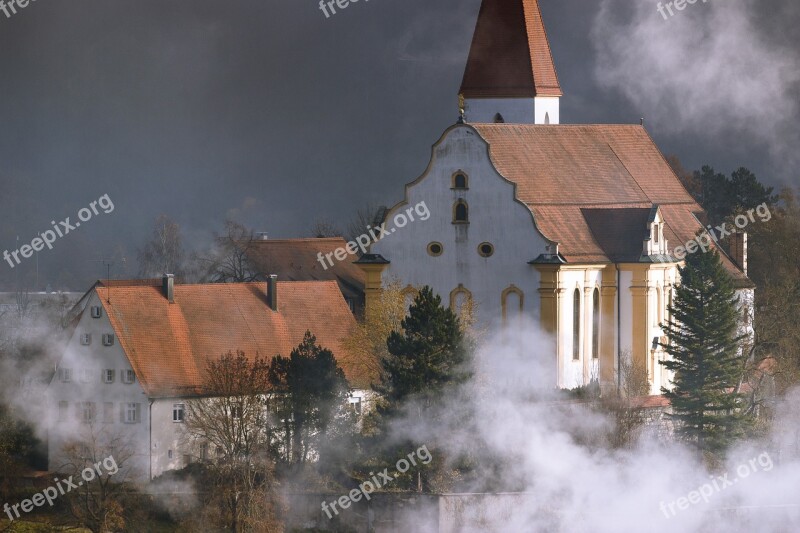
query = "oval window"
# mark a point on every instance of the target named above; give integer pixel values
(485, 249)
(435, 249)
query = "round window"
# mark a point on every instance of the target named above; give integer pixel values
(485, 249)
(435, 249)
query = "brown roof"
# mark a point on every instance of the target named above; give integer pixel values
(168, 345)
(590, 187)
(510, 54)
(296, 260)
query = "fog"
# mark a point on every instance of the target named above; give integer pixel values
(551, 457)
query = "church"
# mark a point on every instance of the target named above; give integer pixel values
(571, 227)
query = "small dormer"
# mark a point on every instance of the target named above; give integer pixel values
(654, 242)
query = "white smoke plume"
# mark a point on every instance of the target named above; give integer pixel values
(709, 70)
(553, 475)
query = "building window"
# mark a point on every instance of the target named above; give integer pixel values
(65, 375)
(87, 412)
(409, 294)
(236, 411)
(178, 412)
(485, 249)
(108, 412)
(460, 300)
(169, 454)
(460, 212)
(108, 375)
(86, 339)
(128, 376)
(547, 118)
(576, 325)
(355, 404)
(460, 181)
(657, 316)
(435, 249)
(96, 311)
(63, 411)
(498, 118)
(512, 302)
(108, 339)
(131, 413)
(595, 324)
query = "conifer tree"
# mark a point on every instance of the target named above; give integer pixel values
(425, 364)
(428, 358)
(706, 355)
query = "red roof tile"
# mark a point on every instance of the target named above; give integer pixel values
(296, 260)
(510, 54)
(565, 173)
(168, 345)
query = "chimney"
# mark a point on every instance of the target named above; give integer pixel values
(272, 292)
(168, 284)
(738, 245)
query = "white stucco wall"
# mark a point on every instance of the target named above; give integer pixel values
(95, 358)
(538, 110)
(494, 217)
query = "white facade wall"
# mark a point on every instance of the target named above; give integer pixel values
(87, 364)
(495, 216)
(538, 110)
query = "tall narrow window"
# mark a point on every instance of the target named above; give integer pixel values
(547, 118)
(576, 325)
(595, 324)
(460, 212)
(511, 302)
(659, 314)
(460, 181)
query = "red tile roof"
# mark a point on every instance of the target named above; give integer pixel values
(168, 345)
(577, 178)
(510, 54)
(296, 260)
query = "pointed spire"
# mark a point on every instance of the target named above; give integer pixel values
(510, 55)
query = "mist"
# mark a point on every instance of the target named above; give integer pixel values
(543, 465)
(713, 69)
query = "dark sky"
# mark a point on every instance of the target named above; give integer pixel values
(270, 113)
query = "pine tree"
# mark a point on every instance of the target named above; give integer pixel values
(315, 391)
(706, 355)
(428, 358)
(425, 364)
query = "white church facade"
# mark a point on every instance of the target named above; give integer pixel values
(572, 227)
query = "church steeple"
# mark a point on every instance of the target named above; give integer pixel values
(510, 75)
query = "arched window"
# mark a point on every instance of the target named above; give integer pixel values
(460, 180)
(512, 301)
(498, 119)
(460, 300)
(461, 212)
(409, 294)
(595, 324)
(659, 314)
(576, 325)
(547, 118)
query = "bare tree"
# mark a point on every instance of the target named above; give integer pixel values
(230, 260)
(102, 463)
(323, 227)
(163, 253)
(627, 414)
(369, 215)
(232, 419)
